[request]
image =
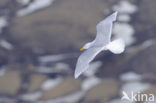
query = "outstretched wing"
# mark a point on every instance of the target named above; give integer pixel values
(104, 30)
(85, 58)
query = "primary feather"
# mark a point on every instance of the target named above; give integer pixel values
(104, 30)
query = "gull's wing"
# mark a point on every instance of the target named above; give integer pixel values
(85, 58)
(104, 30)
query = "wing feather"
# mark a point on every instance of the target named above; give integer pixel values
(104, 30)
(85, 58)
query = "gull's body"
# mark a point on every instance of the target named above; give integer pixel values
(101, 42)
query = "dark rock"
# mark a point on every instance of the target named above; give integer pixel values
(145, 60)
(10, 83)
(144, 20)
(102, 92)
(3, 2)
(67, 86)
(36, 80)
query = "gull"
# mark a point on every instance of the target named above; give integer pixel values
(100, 43)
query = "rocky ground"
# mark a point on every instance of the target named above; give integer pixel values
(39, 46)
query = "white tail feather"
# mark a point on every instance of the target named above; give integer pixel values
(117, 46)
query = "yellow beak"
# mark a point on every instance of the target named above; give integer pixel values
(81, 49)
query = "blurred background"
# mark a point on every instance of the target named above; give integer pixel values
(39, 47)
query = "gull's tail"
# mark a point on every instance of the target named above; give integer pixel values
(117, 46)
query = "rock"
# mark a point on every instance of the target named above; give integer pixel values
(67, 86)
(3, 2)
(130, 76)
(68, 24)
(144, 61)
(147, 13)
(140, 60)
(36, 80)
(144, 21)
(10, 83)
(102, 92)
(107, 69)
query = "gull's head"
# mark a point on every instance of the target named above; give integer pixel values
(86, 46)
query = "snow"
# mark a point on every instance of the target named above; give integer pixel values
(90, 82)
(124, 31)
(2, 71)
(59, 67)
(124, 18)
(44, 69)
(5, 44)
(130, 76)
(3, 23)
(57, 57)
(51, 83)
(125, 7)
(93, 68)
(31, 96)
(35, 5)
(62, 67)
(52, 58)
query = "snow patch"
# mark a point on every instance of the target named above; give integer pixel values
(3, 23)
(35, 5)
(57, 57)
(124, 18)
(90, 82)
(5, 44)
(125, 7)
(93, 68)
(124, 31)
(31, 96)
(130, 76)
(51, 83)
(2, 71)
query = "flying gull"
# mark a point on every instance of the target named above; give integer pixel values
(102, 42)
